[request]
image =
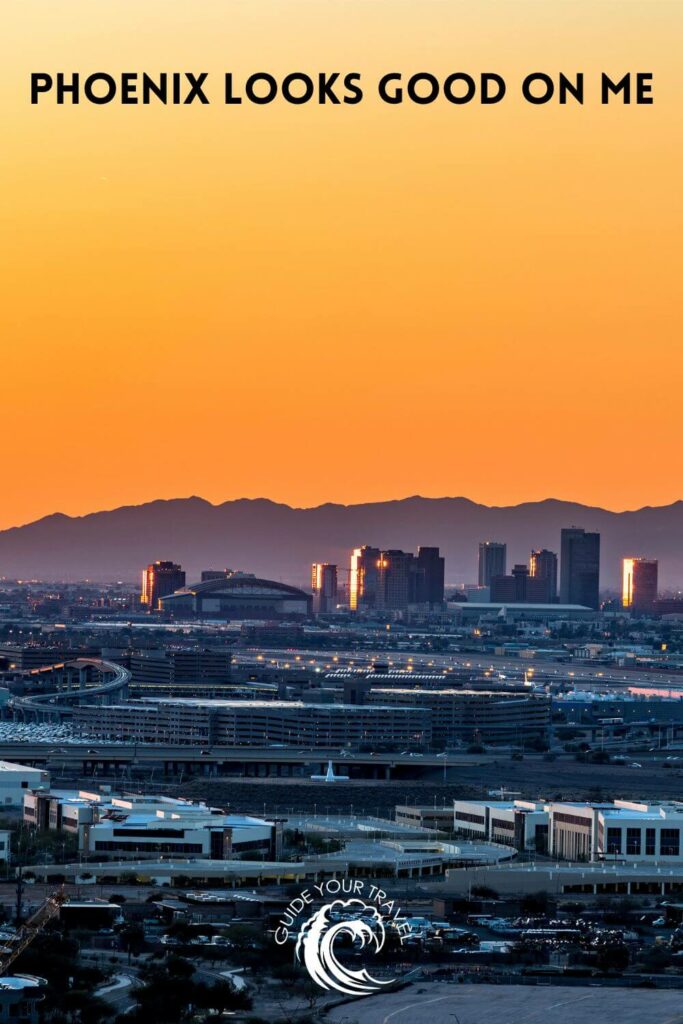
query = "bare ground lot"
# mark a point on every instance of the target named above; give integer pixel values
(513, 1004)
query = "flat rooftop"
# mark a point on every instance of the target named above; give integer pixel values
(518, 1004)
(274, 705)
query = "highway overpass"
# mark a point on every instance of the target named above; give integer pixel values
(82, 681)
(105, 758)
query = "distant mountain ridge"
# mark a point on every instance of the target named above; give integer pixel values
(278, 541)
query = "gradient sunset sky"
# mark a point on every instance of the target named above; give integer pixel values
(341, 303)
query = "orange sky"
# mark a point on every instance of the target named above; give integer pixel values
(341, 303)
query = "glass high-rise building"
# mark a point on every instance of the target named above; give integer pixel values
(393, 580)
(158, 580)
(363, 577)
(324, 587)
(580, 568)
(543, 565)
(639, 583)
(492, 561)
(431, 567)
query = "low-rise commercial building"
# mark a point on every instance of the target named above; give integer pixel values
(512, 611)
(625, 831)
(440, 819)
(522, 824)
(142, 826)
(17, 779)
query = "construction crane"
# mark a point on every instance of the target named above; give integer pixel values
(32, 927)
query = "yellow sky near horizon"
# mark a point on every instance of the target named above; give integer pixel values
(340, 303)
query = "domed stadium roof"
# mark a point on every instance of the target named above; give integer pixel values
(242, 584)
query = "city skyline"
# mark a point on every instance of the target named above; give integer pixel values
(276, 541)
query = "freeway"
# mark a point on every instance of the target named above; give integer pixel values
(139, 753)
(113, 683)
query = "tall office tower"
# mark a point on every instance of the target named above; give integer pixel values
(214, 574)
(363, 578)
(396, 580)
(324, 587)
(580, 568)
(519, 587)
(543, 565)
(512, 588)
(431, 567)
(492, 561)
(158, 580)
(639, 587)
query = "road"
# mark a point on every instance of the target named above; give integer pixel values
(157, 753)
(118, 993)
(513, 1004)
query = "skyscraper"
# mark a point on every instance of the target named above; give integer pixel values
(519, 587)
(639, 584)
(393, 579)
(363, 577)
(324, 586)
(492, 561)
(580, 568)
(396, 580)
(543, 565)
(158, 580)
(431, 568)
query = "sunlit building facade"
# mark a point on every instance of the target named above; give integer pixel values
(639, 584)
(324, 587)
(363, 577)
(393, 580)
(158, 580)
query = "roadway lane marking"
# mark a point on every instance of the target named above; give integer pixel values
(517, 1020)
(553, 1006)
(411, 1006)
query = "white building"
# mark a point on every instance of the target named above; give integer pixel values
(636, 833)
(621, 831)
(17, 779)
(143, 826)
(5, 849)
(20, 996)
(522, 824)
(188, 833)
